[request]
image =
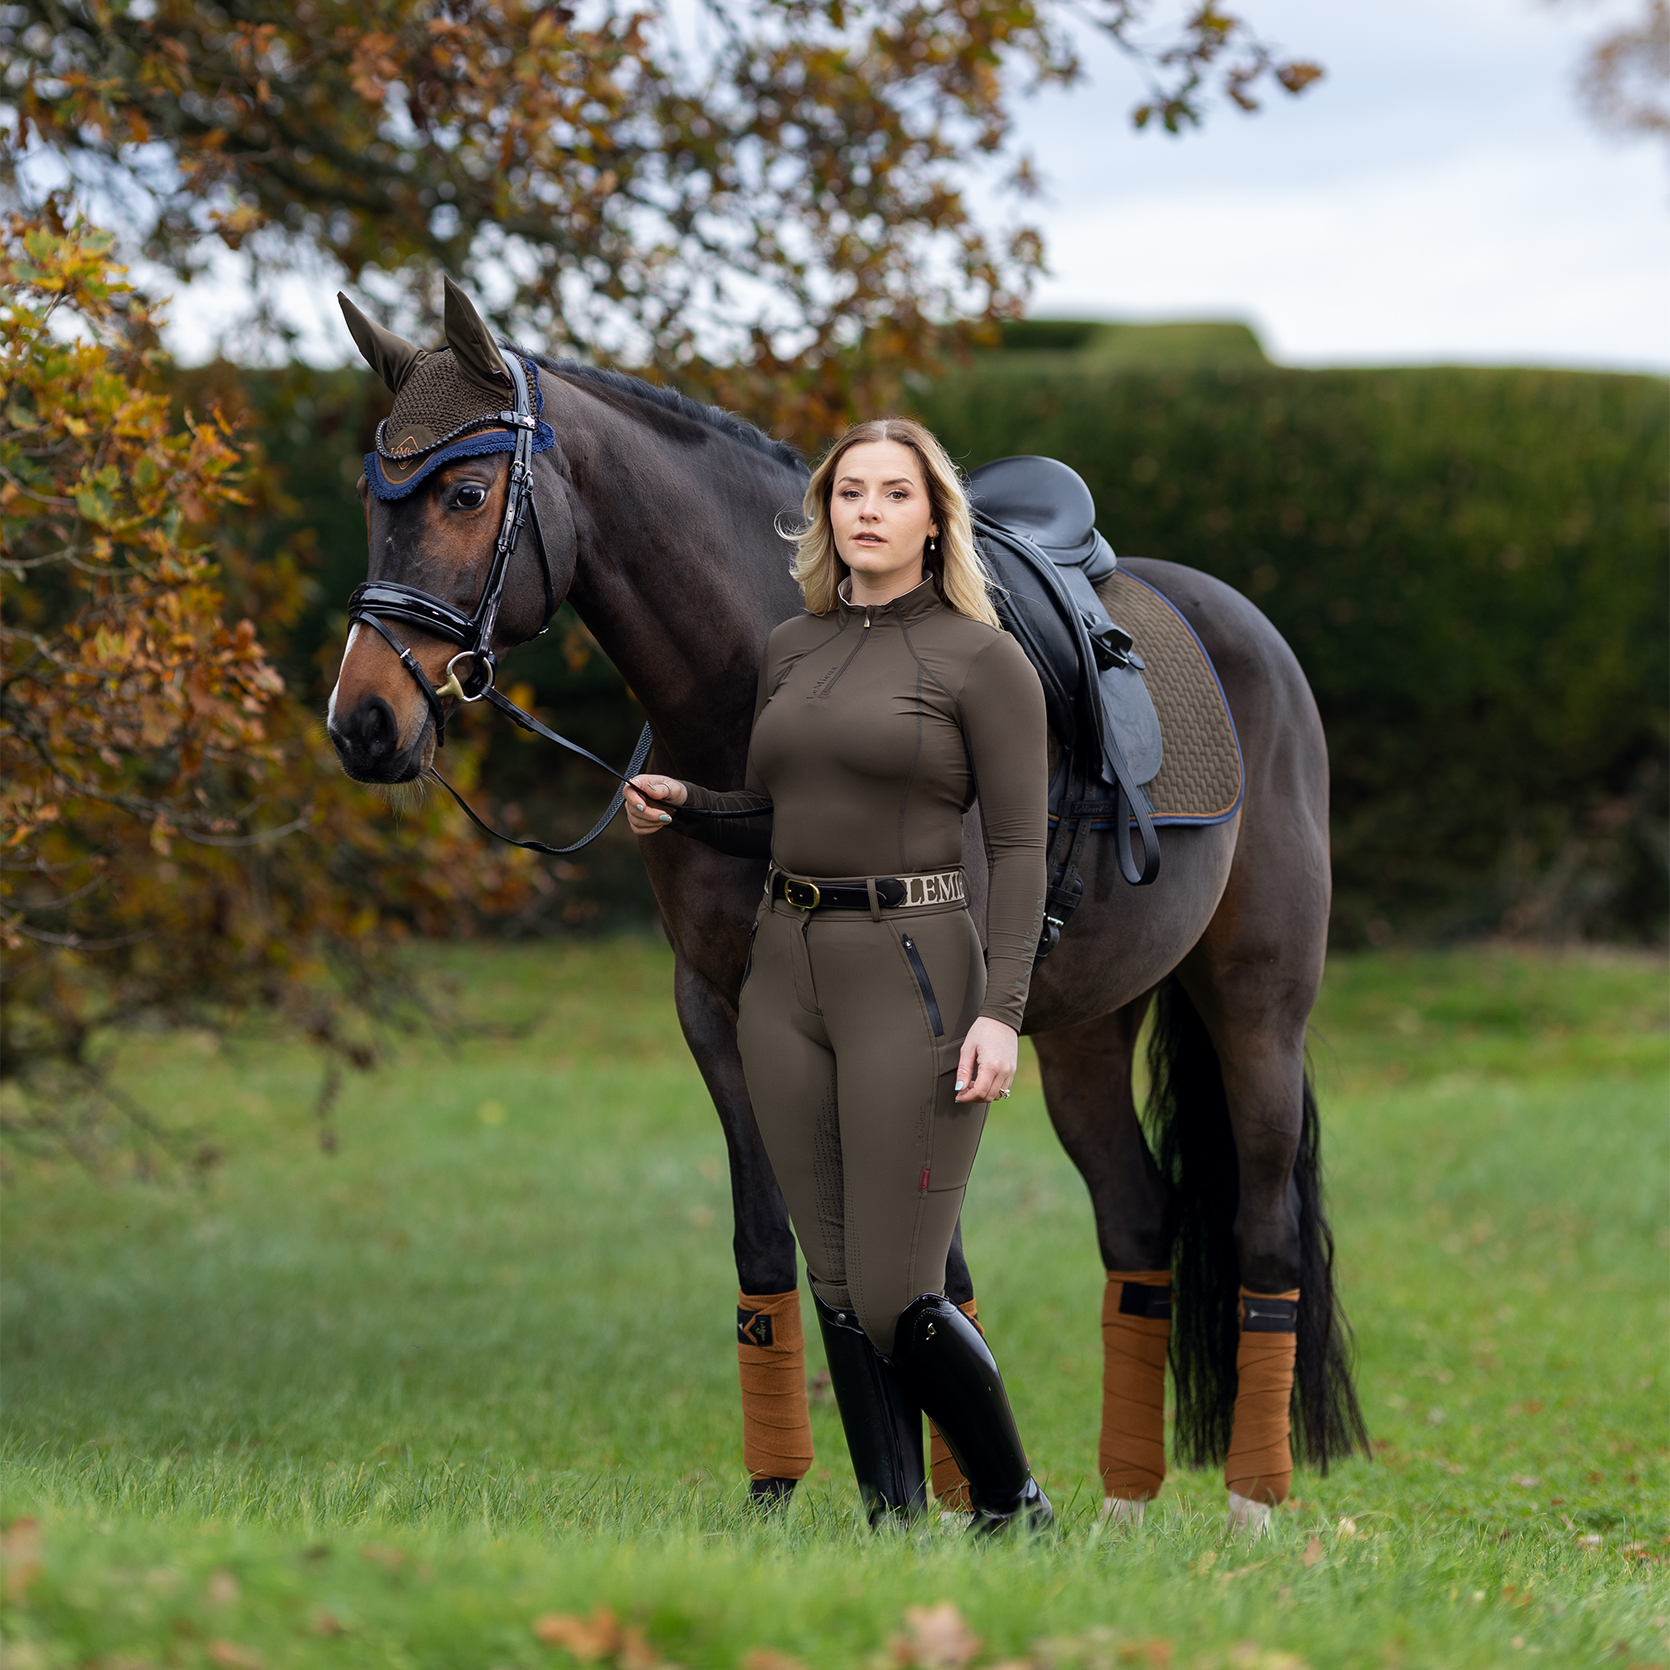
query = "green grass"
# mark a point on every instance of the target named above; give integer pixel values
(390, 1406)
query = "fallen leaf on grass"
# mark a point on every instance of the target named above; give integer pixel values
(390, 1559)
(1313, 1551)
(1096, 1648)
(228, 1655)
(578, 1637)
(1157, 1653)
(635, 1653)
(223, 1589)
(935, 1638)
(768, 1658)
(326, 1622)
(599, 1637)
(20, 1556)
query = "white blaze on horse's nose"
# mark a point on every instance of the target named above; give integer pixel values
(347, 650)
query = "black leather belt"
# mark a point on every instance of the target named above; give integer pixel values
(825, 895)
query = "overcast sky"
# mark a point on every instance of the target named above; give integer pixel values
(1437, 197)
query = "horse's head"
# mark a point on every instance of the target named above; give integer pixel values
(471, 536)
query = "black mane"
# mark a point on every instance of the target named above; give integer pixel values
(713, 417)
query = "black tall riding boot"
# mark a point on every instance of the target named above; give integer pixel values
(948, 1368)
(883, 1425)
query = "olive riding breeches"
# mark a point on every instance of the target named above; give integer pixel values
(850, 1029)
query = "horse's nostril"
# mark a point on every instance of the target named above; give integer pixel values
(373, 727)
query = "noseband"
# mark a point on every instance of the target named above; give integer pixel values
(378, 600)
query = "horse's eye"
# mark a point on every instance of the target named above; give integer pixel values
(470, 495)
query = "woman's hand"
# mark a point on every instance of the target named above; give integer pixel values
(986, 1068)
(647, 800)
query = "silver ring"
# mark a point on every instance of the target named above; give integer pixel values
(1001, 1094)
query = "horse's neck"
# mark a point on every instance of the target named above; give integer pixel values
(680, 577)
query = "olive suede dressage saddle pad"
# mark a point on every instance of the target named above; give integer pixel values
(1201, 778)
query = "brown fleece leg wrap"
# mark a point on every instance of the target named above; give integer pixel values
(950, 1487)
(1260, 1465)
(771, 1361)
(1136, 1330)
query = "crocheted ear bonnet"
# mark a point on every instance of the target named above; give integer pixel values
(449, 403)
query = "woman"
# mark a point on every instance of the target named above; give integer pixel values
(873, 1035)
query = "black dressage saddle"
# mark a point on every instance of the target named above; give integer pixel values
(1035, 523)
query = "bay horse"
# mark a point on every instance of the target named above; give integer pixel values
(659, 520)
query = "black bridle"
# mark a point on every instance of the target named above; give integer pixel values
(378, 600)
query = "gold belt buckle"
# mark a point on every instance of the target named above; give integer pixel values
(796, 892)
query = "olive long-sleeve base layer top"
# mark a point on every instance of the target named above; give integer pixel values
(875, 728)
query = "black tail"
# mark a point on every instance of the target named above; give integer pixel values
(1327, 1419)
(1189, 1129)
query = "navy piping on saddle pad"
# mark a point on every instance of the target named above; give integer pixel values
(1196, 820)
(473, 443)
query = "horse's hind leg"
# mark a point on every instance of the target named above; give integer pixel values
(1256, 1021)
(1086, 1071)
(1250, 983)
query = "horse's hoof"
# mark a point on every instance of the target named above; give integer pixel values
(1123, 1510)
(1248, 1518)
(954, 1521)
(770, 1494)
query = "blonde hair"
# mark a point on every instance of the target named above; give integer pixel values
(958, 574)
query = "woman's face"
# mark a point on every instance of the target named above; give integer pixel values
(881, 516)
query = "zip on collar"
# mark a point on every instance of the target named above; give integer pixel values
(920, 600)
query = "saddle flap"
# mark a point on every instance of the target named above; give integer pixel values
(1126, 704)
(1036, 612)
(1094, 702)
(1049, 502)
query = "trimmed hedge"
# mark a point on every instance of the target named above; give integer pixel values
(1470, 565)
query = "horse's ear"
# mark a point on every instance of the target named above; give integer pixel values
(392, 357)
(472, 343)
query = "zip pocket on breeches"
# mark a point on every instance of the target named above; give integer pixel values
(919, 969)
